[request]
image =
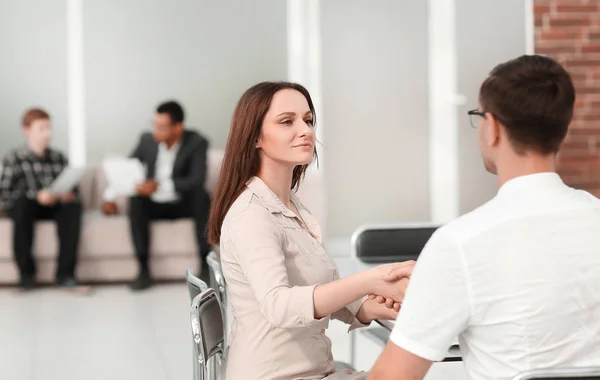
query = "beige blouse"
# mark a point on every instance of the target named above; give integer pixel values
(271, 265)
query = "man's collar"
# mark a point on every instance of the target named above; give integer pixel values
(537, 181)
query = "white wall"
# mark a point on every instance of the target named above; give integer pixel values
(374, 62)
(203, 53)
(487, 33)
(32, 67)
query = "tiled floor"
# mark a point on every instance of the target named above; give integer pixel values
(116, 334)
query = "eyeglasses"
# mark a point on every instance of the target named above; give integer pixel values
(474, 116)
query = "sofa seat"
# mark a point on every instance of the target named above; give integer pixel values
(104, 237)
(106, 252)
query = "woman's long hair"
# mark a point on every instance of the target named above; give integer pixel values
(242, 159)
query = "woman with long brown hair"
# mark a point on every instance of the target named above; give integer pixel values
(282, 285)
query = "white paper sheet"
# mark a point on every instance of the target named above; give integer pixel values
(123, 175)
(66, 180)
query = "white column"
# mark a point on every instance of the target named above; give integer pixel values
(444, 184)
(75, 80)
(304, 55)
(529, 27)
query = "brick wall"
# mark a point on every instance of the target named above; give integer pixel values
(569, 31)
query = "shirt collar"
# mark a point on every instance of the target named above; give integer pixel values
(174, 147)
(31, 154)
(268, 197)
(535, 182)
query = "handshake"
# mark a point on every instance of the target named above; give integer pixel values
(386, 287)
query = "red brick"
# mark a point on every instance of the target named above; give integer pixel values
(551, 50)
(589, 116)
(570, 2)
(591, 48)
(572, 21)
(593, 103)
(579, 103)
(561, 34)
(594, 35)
(538, 21)
(586, 89)
(573, 8)
(582, 62)
(541, 9)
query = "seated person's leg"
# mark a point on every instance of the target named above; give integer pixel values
(140, 214)
(68, 220)
(201, 208)
(23, 214)
(196, 205)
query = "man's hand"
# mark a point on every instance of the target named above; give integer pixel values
(393, 283)
(109, 208)
(147, 187)
(67, 197)
(400, 271)
(46, 198)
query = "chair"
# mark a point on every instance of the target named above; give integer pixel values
(217, 280)
(375, 244)
(583, 373)
(208, 335)
(195, 285)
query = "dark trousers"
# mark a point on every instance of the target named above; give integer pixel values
(142, 210)
(24, 213)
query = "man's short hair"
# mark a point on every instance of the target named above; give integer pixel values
(173, 109)
(533, 97)
(34, 114)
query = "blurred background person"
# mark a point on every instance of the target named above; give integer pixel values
(175, 160)
(27, 173)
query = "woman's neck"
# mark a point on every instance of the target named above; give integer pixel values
(279, 179)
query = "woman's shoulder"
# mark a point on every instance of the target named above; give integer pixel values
(246, 208)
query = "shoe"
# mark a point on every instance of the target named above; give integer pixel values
(27, 284)
(142, 282)
(69, 284)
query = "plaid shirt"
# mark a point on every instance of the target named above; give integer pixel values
(24, 174)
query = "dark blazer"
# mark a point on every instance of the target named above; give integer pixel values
(189, 171)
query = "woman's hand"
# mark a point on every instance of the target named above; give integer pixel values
(388, 302)
(389, 282)
(371, 310)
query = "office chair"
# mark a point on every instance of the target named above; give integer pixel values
(377, 244)
(582, 373)
(208, 336)
(217, 280)
(194, 284)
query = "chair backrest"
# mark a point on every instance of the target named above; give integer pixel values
(582, 373)
(389, 243)
(207, 329)
(217, 280)
(195, 285)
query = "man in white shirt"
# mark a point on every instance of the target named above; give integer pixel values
(176, 169)
(518, 279)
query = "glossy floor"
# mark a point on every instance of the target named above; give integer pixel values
(116, 334)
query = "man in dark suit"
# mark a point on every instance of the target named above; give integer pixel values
(176, 169)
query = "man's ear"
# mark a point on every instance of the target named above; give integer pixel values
(492, 137)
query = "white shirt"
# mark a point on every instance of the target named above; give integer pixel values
(165, 161)
(164, 172)
(517, 280)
